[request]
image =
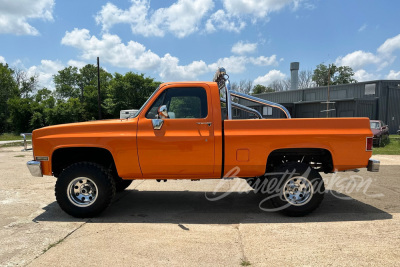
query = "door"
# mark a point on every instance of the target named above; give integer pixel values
(393, 110)
(184, 145)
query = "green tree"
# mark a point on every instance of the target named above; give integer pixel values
(88, 83)
(72, 82)
(26, 85)
(337, 75)
(259, 89)
(66, 83)
(8, 89)
(128, 91)
(43, 114)
(21, 111)
(67, 111)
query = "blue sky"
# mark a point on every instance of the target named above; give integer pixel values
(176, 40)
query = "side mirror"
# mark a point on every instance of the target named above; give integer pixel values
(162, 112)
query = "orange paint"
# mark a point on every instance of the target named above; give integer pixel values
(189, 148)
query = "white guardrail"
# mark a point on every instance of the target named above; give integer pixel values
(24, 135)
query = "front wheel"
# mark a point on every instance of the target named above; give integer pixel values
(301, 189)
(84, 189)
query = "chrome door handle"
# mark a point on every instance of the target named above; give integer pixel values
(208, 123)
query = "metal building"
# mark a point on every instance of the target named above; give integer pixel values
(377, 100)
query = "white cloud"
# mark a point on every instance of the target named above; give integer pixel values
(383, 58)
(362, 28)
(358, 59)
(241, 48)
(2, 60)
(170, 69)
(265, 61)
(76, 63)
(112, 50)
(362, 76)
(390, 45)
(233, 64)
(45, 72)
(134, 55)
(258, 8)
(221, 20)
(185, 17)
(14, 15)
(237, 64)
(270, 77)
(393, 75)
(181, 18)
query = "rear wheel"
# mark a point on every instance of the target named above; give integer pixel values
(84, 189)
(301, 189)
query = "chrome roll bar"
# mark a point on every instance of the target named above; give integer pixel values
(244, 108)
(262, 102)
(222, 80)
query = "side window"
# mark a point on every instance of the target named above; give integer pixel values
(182, 103)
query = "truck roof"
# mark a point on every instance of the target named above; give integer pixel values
(191, 83)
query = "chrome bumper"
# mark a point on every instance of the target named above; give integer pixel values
(373, 165)
(35, 168)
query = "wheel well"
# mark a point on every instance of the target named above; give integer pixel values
(64, 157)
(320, 159)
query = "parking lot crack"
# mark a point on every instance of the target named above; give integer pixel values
(54, 244)
(243, 257)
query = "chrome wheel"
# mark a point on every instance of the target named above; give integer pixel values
(82, 192)
(298, 191)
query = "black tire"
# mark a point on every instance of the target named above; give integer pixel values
(84, 189)
(121, 184)
(290, 200)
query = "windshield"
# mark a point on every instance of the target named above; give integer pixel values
(145, 103)
(374, 125)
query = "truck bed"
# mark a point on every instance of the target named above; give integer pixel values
(248, 143)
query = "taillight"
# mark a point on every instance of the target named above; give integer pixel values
(369, 143)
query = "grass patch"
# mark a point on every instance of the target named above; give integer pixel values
(12, 137)
(9, 137)
(52, 245)
(391, 148)
(19, 156)
(14, 144)
(245, 263)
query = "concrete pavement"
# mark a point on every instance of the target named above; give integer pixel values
(173, 223)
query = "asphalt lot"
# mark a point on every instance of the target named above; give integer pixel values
(173, 223)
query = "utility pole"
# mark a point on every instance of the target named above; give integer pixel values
(98, 87)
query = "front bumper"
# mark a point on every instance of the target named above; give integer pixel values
(373, 165)
(35, 168)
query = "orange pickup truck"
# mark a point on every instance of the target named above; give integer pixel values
(185, 131)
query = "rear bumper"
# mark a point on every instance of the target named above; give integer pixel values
(373, 165)
(35, 168)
